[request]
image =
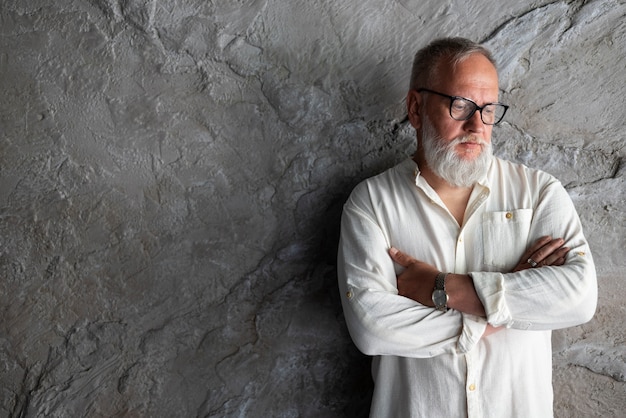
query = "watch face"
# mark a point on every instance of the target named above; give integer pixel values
(440, 298)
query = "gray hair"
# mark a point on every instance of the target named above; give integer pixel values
(454, 50)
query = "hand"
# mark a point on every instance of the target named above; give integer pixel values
(545, 252)
(490, 329)
(417, 281)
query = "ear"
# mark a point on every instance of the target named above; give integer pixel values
(414, 108)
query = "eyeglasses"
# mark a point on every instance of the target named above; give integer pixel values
(463, 109)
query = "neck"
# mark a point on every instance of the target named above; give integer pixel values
(455, 198)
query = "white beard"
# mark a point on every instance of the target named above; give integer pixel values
(444, 161)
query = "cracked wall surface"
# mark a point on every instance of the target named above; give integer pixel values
(172, 175)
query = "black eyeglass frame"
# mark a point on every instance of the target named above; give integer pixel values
(476, 107)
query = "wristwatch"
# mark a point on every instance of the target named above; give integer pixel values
(440, 297)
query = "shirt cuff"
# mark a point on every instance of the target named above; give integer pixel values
(490, 290)
(473, 330)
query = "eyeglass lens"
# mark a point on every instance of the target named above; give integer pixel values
(461, 109)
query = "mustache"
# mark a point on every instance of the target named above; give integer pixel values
(468, 139)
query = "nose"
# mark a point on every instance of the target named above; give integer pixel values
(475, 123)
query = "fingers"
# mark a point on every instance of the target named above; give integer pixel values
(548, 249)
(401, 258)
(537, 245)
(491, 330)
(556, 258)
(547, 252)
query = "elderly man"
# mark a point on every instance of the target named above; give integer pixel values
(454, 266)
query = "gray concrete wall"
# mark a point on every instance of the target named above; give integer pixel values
(172, 174)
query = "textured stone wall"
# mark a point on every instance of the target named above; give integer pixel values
(172, 175)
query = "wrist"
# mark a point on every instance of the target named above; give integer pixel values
(462, 295)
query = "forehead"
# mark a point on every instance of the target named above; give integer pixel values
(474, 73)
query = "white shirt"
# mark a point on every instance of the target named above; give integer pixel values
(433, 364)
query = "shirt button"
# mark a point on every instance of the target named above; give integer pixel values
(509, 215)
(581, 253)
(349, 294)
(472, 387)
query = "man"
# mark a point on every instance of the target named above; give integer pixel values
(454, 266)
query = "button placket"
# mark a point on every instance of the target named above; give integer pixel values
(471, 388)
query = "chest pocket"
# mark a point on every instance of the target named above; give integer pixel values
(505, 237)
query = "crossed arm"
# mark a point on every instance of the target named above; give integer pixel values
(418, 279)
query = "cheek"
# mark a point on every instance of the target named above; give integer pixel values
(449, 129)
(487, 133)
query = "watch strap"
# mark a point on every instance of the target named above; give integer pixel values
(440, 281)
(440, 297)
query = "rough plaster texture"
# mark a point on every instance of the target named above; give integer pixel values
(172, 174)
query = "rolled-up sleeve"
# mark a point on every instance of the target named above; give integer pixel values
(380, 321)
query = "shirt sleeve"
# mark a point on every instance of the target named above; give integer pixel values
(549, 297)
(380, 321)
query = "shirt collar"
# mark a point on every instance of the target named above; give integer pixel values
(413, 168)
